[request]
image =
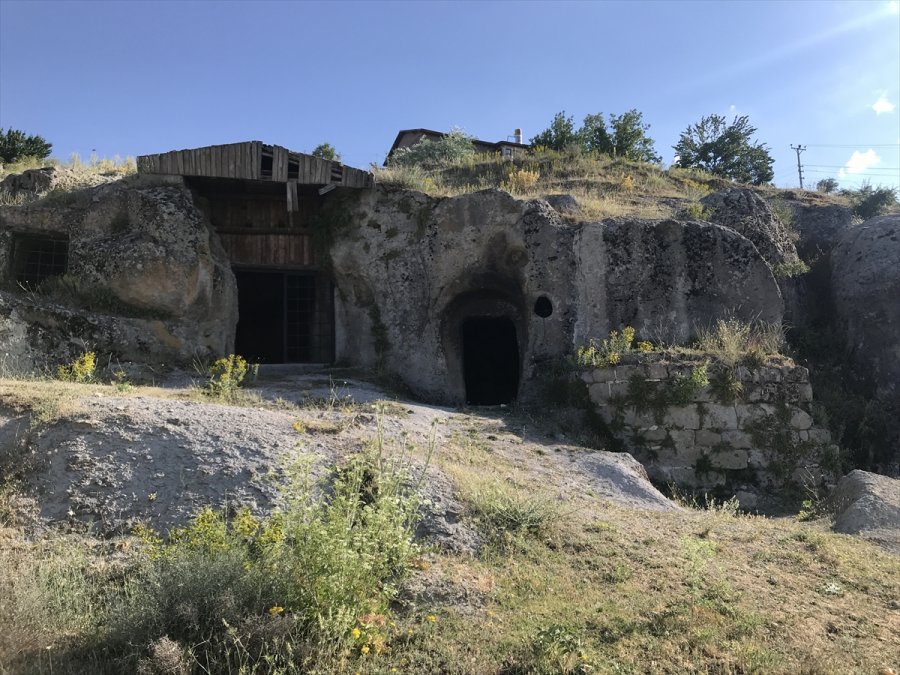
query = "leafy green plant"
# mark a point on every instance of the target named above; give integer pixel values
(869, 201)
(789, 270)
(82, 368)
(684, 388)
(609, 352)
(454, 146)
(226, 375)
(558, 648)
(293, 589)
(725, 386)
(693, 211)
(504, 514)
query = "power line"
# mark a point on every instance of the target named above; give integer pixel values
(853, 145)
(844, 166)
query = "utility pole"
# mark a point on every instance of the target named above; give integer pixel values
(799, 149)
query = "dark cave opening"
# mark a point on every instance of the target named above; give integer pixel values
(490, 360)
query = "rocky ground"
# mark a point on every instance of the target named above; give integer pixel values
(122, 458)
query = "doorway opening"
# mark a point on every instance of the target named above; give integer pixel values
(285, 317)
(490, 360)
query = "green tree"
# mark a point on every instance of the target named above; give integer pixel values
(827, 185)
(725, 150)
(594, 135)
(559, 135)
(624, 136)
(16, 145)
(452, 147)
(630, 139)
(326, 151)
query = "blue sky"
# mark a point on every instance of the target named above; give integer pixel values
(135, 77)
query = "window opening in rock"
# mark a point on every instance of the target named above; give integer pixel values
(285, 317)
(36, 258)
(490, 360)
(543, 307)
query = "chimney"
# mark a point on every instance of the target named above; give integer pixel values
(517, 134)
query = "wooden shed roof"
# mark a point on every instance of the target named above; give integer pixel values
(254, 160)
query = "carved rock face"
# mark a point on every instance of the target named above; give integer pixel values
(414, 270)
(144, 247)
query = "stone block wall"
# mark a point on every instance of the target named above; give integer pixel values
(748, 432)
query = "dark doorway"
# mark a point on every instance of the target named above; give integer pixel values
(490, 360)
(285, 317)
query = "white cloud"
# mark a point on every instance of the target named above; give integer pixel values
(882, 105)
(859, 162)
(893, 7)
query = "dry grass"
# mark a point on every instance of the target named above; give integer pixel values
(605, 187)
(592, 587)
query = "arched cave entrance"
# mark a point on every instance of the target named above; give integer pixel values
(484, 339)
(490, 360)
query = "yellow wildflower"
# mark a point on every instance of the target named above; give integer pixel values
(276, 610)
(364, 649)
(431, 618)
(356, 632)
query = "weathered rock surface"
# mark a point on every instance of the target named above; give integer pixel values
(868, 504)
(33, 183)
(118, 460)
(148, 247)
(744, 211)
(668, 278)
(820, 227)
(564, 204)
(866, 283)
(413, 269)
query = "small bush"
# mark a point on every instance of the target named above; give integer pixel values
(609, 352)
(226, 375)
(453, 147)
(520, 181)
(726, 387)
(788, 270)
(731, 339)
(504, 514)
(81, 369)
(869, 201)
(290, 589)
(693, 211)
(684, 388)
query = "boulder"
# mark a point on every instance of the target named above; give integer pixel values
(868, 504)
(866, 284)
(746, 212)
(564, 204)
(146, 276)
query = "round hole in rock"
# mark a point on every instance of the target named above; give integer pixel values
(543, 307)
(490, 360)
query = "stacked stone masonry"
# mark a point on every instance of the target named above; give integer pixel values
(761, 441)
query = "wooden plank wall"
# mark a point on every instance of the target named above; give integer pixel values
(244, 160)
(267, 249)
